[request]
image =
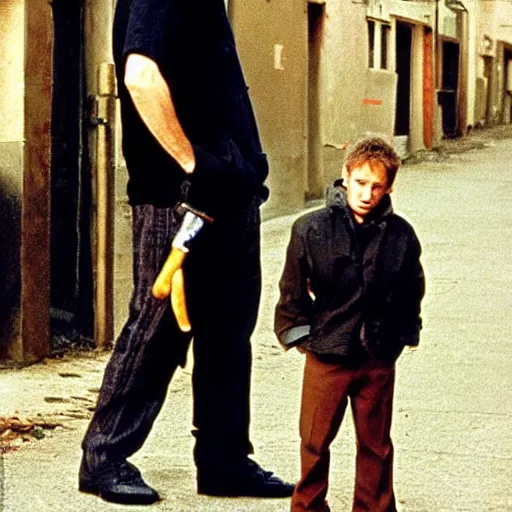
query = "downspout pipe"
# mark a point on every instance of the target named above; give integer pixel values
(105, 207)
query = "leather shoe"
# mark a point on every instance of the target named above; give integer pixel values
(117, 482)
(250, 480)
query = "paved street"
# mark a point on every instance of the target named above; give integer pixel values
(453, 406)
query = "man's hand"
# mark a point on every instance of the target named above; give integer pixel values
(223, 178)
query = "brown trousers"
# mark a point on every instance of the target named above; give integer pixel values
(327, 386)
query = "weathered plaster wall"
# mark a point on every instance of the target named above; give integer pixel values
(472, 48)
(11, 164)
(420, 12)
(272, 42)
(496, 21)
(11, 70)
(417, 59)
(25, 102)
(35, 271)
(345, 86)
(11, 95)
(98, 18)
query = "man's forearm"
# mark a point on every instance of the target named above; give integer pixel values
(214, 176)
(152, 98)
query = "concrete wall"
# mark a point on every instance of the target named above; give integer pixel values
(496, 21)
(484, 49)
(417, 59)
(11, 71)
(12, 19)
(35, 243)
(346, 55)
(472, 47)
(98, 48)
(415, 12)
(358, 100)
(25, 103)
(272, 42)
(504, 44)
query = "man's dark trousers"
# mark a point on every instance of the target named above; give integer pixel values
(223, 285)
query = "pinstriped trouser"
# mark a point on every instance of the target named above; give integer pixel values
(223, 284)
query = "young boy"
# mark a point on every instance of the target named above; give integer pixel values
(350, 299)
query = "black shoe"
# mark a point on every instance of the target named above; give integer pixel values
(117, 482)
(250, 480)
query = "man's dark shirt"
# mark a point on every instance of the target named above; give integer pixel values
(193, 46)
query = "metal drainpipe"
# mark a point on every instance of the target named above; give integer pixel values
(105, 204)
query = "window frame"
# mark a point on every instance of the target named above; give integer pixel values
(379, 39)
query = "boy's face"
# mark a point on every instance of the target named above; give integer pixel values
(366, 186)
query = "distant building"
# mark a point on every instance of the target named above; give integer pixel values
(493, 84)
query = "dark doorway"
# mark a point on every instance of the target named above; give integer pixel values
(449, 86)
(489, 79)
(71, 293)
(403, 69)
(315, 173)
(506, 117)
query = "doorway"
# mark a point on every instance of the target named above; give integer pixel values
(489, 88)
(71, 281)
(449, 88)
(315, 172)
(506, 117)
(403, 69)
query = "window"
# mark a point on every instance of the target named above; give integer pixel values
(378, 44)
(385, 30)
(371, 43)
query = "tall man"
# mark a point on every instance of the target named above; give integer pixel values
(189, 134)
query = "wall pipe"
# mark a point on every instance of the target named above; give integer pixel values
(105, 205)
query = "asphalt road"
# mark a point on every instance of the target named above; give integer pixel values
(453, 403)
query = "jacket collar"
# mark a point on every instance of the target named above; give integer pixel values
(336, 199)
